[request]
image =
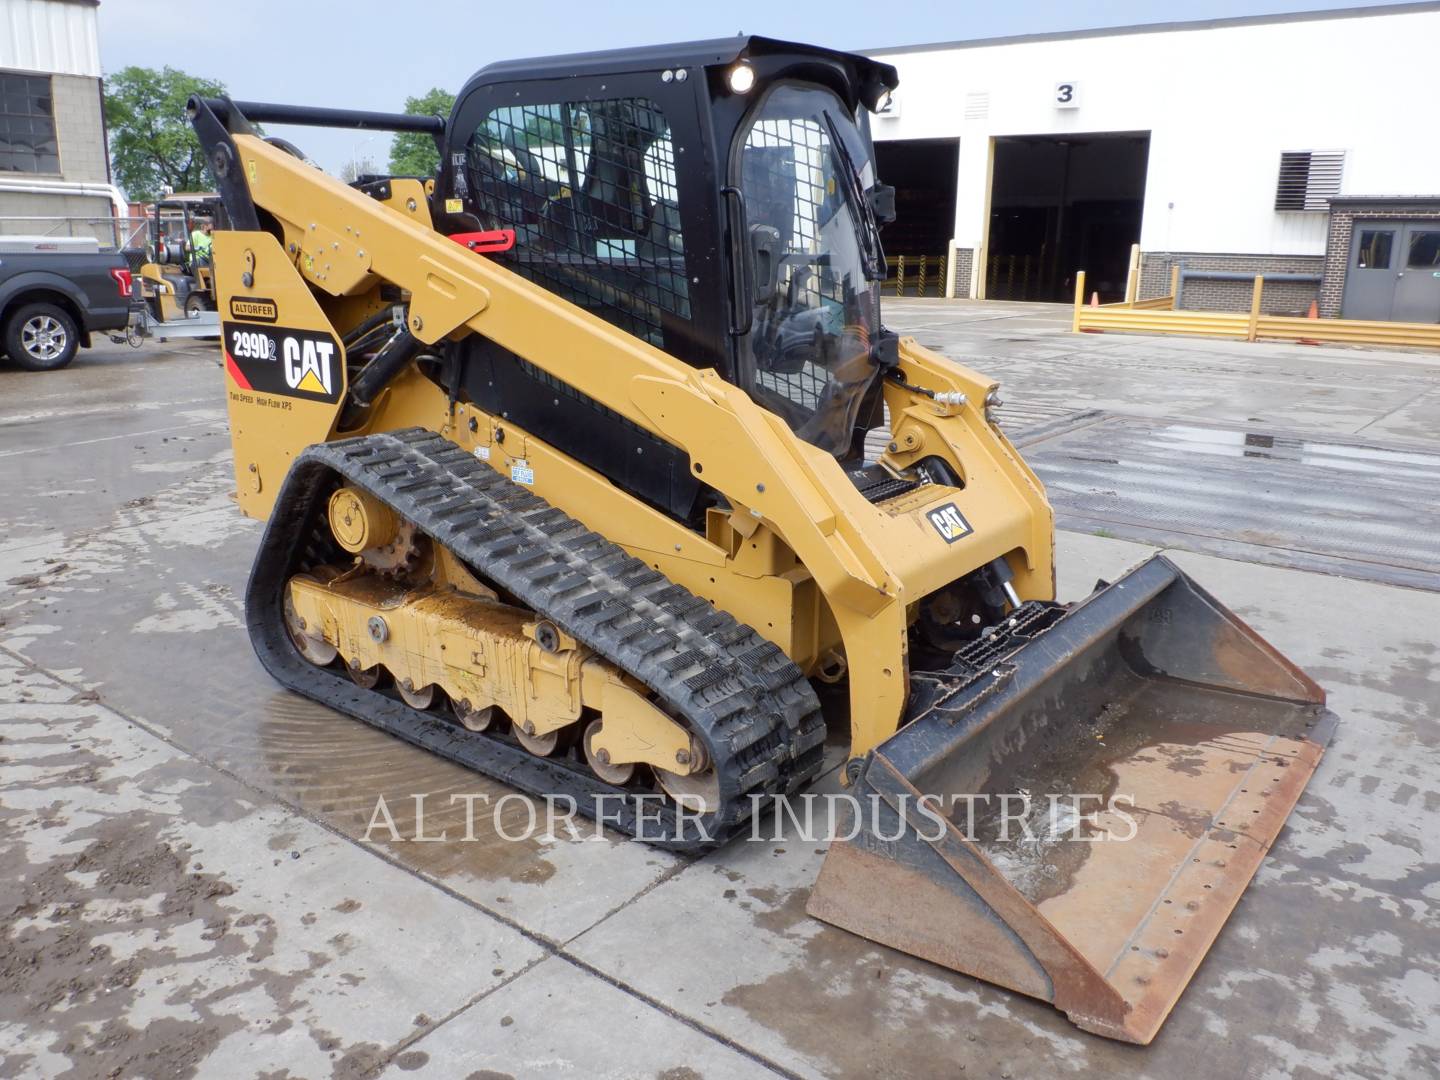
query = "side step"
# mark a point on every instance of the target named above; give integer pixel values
(1192, 738)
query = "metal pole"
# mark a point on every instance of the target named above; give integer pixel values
(1254, 326)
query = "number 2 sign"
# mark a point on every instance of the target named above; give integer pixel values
(1067, 95)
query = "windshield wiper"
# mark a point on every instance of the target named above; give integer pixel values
(869, 229)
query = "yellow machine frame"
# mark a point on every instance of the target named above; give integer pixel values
(802, 556)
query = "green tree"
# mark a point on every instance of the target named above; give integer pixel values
(544, 129)
(152, 145)
(413, 154)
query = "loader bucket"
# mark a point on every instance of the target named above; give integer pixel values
(1178, 721)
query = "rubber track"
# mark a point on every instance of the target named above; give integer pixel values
(746, 699)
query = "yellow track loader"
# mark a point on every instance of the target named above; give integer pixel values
(562, 457)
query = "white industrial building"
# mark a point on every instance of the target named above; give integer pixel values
(1294, 145)
(54, 162)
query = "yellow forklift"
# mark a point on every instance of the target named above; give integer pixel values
(176, 283)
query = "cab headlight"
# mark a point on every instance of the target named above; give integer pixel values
(741, 78)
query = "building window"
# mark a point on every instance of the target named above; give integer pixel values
(27, 125)
(1308, 179)
(1424, 251)
(1374, 249)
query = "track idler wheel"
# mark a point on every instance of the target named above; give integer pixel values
(539, 745)
(420, 699)
(599, 761)
(697, 791)
(471, 718)
(365, 678)
(307, 639)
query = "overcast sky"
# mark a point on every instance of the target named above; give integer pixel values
(372, 54)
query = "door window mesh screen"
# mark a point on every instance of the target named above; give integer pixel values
(590, 190)
(804, 169)
(784, 168)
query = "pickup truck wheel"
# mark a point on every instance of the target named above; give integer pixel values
(41, 337)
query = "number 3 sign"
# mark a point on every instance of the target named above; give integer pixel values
(1067, 95)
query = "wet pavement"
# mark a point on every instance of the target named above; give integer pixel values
(194, 893)
(1336, 504)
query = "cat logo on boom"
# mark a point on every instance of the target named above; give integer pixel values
(949, 522)
(307, 365)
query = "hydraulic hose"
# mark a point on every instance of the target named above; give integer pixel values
(388, 362)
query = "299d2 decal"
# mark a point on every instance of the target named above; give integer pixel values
(276, 360)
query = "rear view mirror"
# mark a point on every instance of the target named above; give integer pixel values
(882, 203)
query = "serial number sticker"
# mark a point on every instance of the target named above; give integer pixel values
(483, 453)
(522, 473)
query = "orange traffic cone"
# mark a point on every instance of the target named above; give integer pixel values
(1094, 299)
(1313, 313)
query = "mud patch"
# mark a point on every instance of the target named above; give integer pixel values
(56, 974)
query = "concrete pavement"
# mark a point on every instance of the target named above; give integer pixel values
(196, 896)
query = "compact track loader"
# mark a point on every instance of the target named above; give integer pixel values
(562, 456)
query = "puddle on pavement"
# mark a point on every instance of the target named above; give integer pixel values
(336, 767)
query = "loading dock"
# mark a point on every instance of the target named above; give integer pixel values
(1058, 204)
(923, 173)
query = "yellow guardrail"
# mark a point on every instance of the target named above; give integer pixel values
(922, 275)
(1159, 316)
(1352, 331)
(1155, 303)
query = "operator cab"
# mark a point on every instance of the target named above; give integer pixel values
(716, 199)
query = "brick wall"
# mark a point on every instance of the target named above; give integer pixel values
(1279, 297)
(964, 271)
(1343, 216)
(80, 127)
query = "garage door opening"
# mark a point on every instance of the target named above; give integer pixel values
(1063, 204)
(923, 173)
